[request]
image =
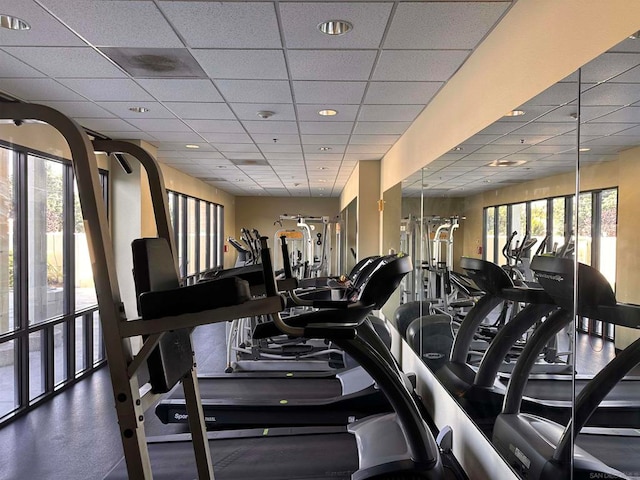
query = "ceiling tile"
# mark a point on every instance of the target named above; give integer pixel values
(401, 93)
(608, 65)
(100, 124)
(624, 115)
(309, 113)
(183, 151)
(160, 124)
(544, 128)
(381, 128)
(129, 135)
(601, 129)
(326, 128)
(282, 156)
(522, 140)
(374, 139)
(201, 111)
(444, 25)
(36, 89)
(557, 94)
(45, 29)
(325, 139)
(611, 94)
(218, 138)
(67, 62)
(216, 126)
(244, 156)
(416, 65)
(279, 139)
(14, 68)
(499, 149)
(323, 157)
(224, 24)
(255, 91)
(181, 90)
(249, 111)
(339, 93)
(238, 147)
(186, 137)
(80, 109)
(630, 76)
(331, 64)
(332, 148)
(121, 109)
(379, 149)
(242, 64)
(300, 22)
(107, 89)
(116, 23)
(389, 113)
(270, 126)
(279, 148)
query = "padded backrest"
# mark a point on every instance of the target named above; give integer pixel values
(154, 270)
(153, 267)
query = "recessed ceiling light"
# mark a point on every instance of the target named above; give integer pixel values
(335, 27)
(635, 36)
(322, 180)
(329, 112)
(323, 168)
(574, 115)
(189, 145)
(584, 149)
(457, 149)
(265, 114)
(515, 113)
(487, 181)
(324, 149)
(506, 163)
(139, 109)
(13, 23)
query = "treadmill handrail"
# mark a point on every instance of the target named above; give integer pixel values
(594, 393)
(529, 355)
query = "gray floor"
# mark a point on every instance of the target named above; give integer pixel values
(75, 435)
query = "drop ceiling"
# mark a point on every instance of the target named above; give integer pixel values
(203, 70)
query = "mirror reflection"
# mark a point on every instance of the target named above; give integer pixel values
(546, 190)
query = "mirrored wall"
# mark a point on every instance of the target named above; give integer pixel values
(498, 228)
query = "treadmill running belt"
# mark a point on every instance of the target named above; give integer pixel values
(293, 457)
(562, 390)
(267, 389)
(619, 452)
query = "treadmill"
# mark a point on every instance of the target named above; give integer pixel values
(540, 448)
(171, 313)
(481, 392)
(409, 448)
(281, 398)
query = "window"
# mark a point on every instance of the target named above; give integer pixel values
(199, 233)
(50, 333)
(596, 232)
